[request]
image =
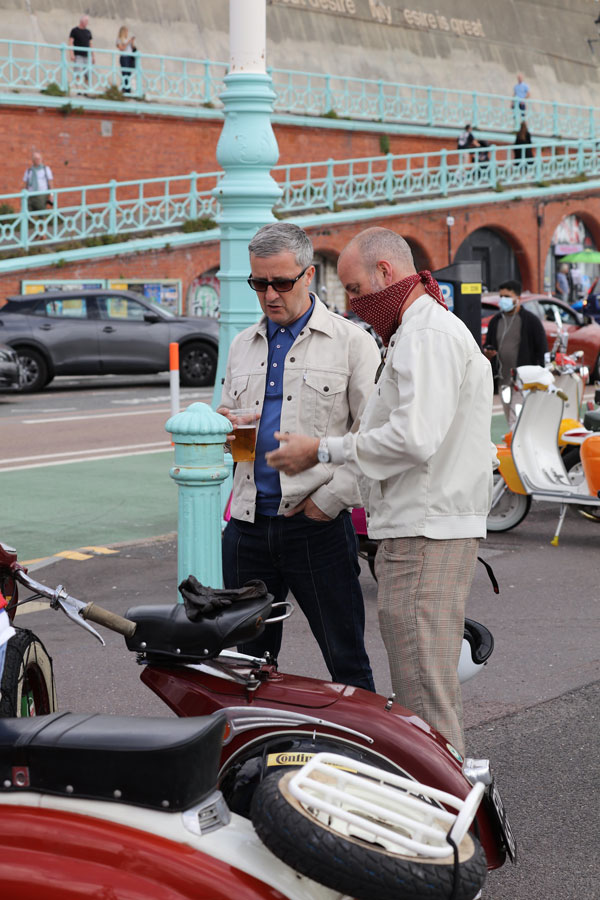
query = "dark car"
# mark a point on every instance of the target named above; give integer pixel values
(10, 369)
(103, 332)
(584, 333)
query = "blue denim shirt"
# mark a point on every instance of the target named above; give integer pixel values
(281, 339)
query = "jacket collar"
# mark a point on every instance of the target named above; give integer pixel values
(319, 321)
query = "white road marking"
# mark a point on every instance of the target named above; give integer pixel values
(41, 456)
(62, 462)
(112, 415)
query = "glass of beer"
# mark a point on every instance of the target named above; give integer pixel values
(244, 431)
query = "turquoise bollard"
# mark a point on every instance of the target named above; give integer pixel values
(199, 471)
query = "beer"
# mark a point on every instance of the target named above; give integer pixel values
(244, 432)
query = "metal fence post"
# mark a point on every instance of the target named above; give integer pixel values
(329, 184)
(429, 105)
(444, 172)
(112, 208)
(380, 100)
(198, 434)
(24, 220)
(193, 196)
(64, 69)
(389, 178)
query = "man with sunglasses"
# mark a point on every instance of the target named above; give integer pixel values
(305, 370)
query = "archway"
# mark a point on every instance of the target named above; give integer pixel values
(497, 256)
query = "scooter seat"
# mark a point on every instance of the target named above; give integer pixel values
(166, 631)
(166, 764)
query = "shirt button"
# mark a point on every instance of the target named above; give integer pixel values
(278, 346)
(282, 330)
(326, 388)
(272, 383)
(292, 359)
(289, 397)
(248, 477)
(286, 505)
(262, 363)
(274, 365)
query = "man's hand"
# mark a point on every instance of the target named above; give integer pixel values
(310, 510)
(297, 453)
(489, 352)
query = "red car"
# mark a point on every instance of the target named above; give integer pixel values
(584, 332)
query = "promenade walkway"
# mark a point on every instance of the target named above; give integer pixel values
(187, 85)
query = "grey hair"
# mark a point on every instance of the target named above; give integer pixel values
(281, 237)
(383, 243)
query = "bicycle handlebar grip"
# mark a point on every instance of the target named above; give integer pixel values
(110, 620)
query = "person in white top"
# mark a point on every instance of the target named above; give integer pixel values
(126, 46)
(424, 457)
(38, 180)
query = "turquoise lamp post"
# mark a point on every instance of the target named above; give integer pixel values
(199, 470)
(247, 151)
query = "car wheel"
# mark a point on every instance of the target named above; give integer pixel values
(34, 370)
(197, 364)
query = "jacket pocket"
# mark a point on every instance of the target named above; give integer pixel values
(323, 393)
(239, 389)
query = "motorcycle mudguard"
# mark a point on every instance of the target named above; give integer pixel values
(282, 705)
(590, 459)
(508, 470)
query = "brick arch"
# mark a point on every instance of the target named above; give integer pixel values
(591, 221)
(524, 254)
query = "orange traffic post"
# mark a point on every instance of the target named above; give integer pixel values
(174, 376)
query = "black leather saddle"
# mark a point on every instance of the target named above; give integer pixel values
(167, 764)
(167, 633)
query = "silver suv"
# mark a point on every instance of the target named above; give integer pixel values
(104, 332)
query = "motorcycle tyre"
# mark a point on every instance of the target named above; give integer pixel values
(27, 687)
(572, 462)
(519, 507)
(351, 866)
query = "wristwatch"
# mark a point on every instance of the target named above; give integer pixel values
(323, 454)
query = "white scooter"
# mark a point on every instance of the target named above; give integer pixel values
(533, 467)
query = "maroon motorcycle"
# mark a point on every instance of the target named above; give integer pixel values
(275, 721)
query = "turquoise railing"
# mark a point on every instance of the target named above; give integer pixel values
(25, 65)
(153, 204)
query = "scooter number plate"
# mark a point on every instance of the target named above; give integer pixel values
(502, 822)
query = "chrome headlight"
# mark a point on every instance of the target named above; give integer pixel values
(476, 770)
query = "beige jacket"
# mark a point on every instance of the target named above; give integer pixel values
(424, 439)
(329, 374)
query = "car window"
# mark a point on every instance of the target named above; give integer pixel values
(559, 314)
(533, 306)
(122, 308)
(63, 308)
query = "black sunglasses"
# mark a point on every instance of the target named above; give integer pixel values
(281, 285)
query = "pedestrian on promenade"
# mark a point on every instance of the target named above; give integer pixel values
(521, 94)
(468, 141)
(38, 178)
(82, 54)
(306, 369)
(127, 48)
(515, 337)
(522, 149)
(424, 458)
(563, 283)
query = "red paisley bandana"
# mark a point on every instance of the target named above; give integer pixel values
(382, 309)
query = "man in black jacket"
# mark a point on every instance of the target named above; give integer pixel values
(515, 337)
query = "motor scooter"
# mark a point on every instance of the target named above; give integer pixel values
(276, 721)
(531, 463)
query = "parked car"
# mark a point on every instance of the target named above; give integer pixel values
(583, 331)
(10, 368)
(103, 332)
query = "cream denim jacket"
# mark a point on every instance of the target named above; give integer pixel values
(329, 374)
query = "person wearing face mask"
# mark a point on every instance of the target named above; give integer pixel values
(424, 457)
(515, 337)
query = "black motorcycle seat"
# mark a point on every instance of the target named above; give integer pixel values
(166, 631)
(480, 640)
(166, 764)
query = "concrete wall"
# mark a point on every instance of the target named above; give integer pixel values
(470, 44)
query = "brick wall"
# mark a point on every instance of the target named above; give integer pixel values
(89, 147)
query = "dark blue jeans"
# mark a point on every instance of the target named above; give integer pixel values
(318, 563)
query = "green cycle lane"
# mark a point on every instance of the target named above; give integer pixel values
(52, 509)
